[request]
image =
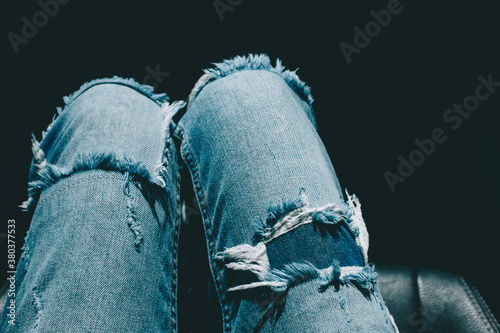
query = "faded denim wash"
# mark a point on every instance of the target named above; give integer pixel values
(287, 251)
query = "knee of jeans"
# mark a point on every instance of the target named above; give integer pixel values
(296, 242)
(106, 116)
(244, 85)
(111, 124)
(112, 101)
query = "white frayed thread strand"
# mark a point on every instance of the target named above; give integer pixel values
(247, 257)
(39, 159)
(269, 284)
(347, 271)
(168, 111)
(44, 133)
(250, 258)
(296, 218)
(26, 204)
(362, 239)
(346, 274)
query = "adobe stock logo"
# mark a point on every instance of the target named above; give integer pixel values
(454, 117)
(30, 28)
(155, 75)
(372, 29)
(222, 7)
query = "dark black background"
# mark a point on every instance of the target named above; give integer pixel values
(369, 111)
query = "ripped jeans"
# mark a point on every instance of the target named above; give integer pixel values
(287, 251)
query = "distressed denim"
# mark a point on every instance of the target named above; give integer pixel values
(288, 252)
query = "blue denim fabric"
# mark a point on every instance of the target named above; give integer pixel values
(250, 142)
(100, 255)
(287, 251)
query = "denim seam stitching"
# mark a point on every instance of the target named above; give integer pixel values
(76, 183)
(175, 261)
(185, 151)
(384, 308)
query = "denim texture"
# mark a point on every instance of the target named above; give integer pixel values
(287, 251)
(100, 254)
(250, 142)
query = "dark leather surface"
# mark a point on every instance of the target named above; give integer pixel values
(428, 300)
(424, 300)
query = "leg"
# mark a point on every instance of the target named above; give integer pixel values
(287, 253)
(100, 254)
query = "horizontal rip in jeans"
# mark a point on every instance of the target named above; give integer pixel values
(286, 217)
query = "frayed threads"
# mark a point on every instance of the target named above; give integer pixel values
(251, 62)
(148, 91)
(131, 217)
(289, 215)
(39, 160)
(145, 89)
(247, 257)
(363, 277)
(38, 305)
(297, 273)
(254, 259)
(285, 217)
(25, 252)
(357, 225)
(169, 111)
(83, 162)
